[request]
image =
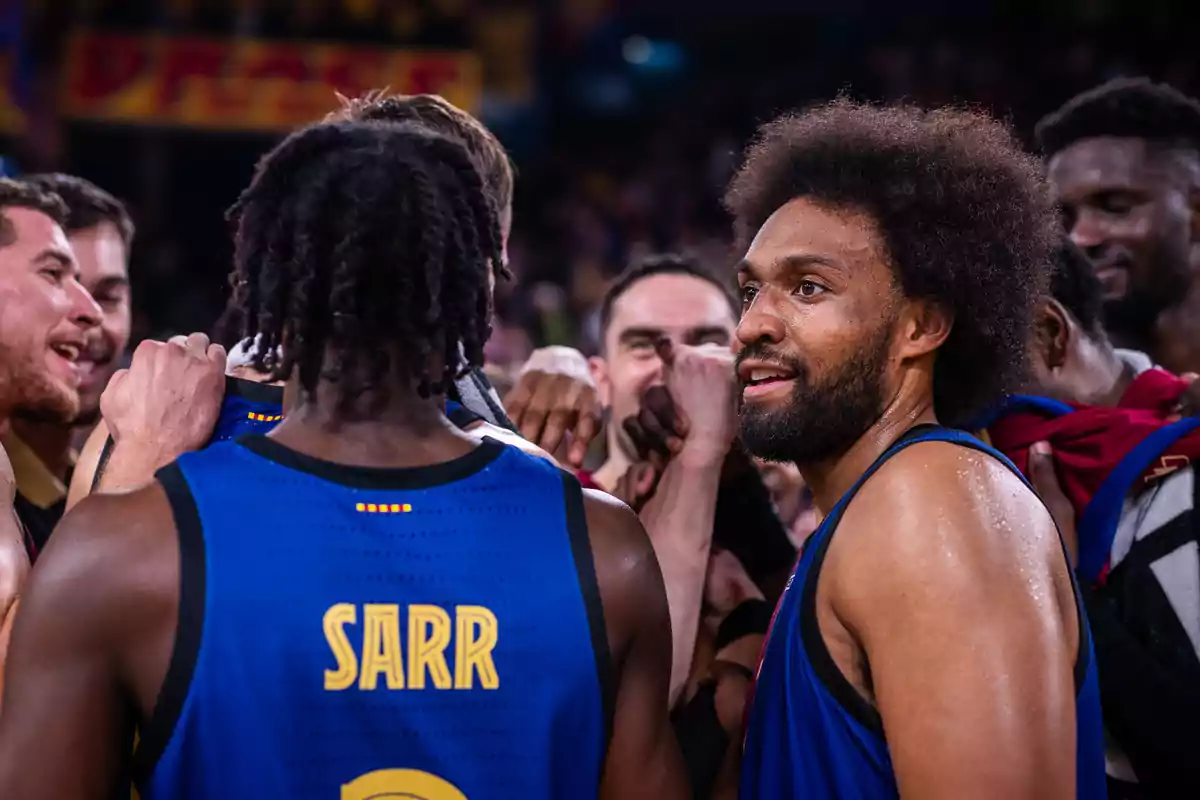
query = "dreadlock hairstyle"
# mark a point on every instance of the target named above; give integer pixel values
(358, 243)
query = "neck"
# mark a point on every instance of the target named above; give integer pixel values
(409, 431)
(615, 466)
(1173, 340)
(1112, 378)
(50, 441)
(831, 479)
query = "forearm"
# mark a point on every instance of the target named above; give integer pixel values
(679, 518)
(125, 466)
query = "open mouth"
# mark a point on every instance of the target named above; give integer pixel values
(760, 378)
(68, 352)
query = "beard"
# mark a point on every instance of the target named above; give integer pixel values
(29, 393)
(821, 420)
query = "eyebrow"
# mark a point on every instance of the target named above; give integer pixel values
(64, 258)
(112, 282)
(705, 331)
(791, 264)
(630, 334)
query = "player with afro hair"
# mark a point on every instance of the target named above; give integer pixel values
(893, 259)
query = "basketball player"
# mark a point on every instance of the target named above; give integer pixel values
(893, 260)
(1124, 166)
(367, 602)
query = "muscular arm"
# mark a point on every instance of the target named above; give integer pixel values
(960, 598)
(679, 518)
(643, 757)
(95, 594)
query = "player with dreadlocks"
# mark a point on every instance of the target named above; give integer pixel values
(342, 607)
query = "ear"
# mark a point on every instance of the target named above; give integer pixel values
(599, 369)
(924, 327)
(1052, 331)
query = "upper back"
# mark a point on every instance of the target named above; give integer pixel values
(440, 621)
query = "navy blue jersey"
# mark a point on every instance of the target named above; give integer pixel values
(811, 734)
(356, 633)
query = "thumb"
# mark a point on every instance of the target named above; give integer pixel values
(1041, 471)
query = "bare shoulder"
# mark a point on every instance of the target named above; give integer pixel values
(85, 466)
(627, 571)
(937, 491)
(111, 565)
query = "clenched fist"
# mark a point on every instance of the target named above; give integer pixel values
(703, 385)
(167, 402)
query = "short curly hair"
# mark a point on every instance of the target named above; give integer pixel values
(439, 114)
(1075, 284)
(1134, 108)
(87, 204)
(964, 214)
(21, 194)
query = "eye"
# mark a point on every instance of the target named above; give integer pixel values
(54, 274)
(809, 289)
(748, 293)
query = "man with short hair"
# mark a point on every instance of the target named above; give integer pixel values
(42, 450)
(1123, 161)
(931, 642)
(46, 316)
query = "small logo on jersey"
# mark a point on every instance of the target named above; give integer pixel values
(264, 417)
(400, 784)
(1167, 465)
(383, 508)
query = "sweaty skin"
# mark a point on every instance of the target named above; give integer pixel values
(98, 623)
(945, 596)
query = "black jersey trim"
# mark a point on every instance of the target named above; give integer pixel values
(102, 461)
(585, 568)
(826, 669)
(376, 477)
(254, 391)
(157, 732)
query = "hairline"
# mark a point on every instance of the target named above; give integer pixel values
(683, 273)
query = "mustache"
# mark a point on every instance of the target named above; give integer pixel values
(762, 351)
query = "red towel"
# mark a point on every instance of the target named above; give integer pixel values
(1090, 442)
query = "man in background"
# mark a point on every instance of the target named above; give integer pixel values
(43, 449)
(1124, 165)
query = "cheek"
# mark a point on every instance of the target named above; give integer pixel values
(630, 379)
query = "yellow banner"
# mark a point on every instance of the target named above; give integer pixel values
(245, 84)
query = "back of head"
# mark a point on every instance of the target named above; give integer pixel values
(364, 249)
(1135, 108)
(87, 204)
(22, 194)
(442, 116)
(1075, 285)
(964, 216)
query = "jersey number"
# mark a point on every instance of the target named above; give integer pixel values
(400, 784)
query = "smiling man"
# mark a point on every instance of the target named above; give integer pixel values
(1124, 165)
(42, 448)
(891, 265)
(46, 317)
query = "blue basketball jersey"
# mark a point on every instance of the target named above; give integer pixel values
(357, 633)
(248, 407)
(811, 734)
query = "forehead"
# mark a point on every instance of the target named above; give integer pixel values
(671, 302)
(803, 229)
(1105, 161)
(100, 251)
(33, 229)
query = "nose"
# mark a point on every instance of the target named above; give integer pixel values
(85, 311)
(1088, 233)
(759, 322)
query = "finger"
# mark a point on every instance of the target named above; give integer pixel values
(533, 418)
(1189, 377)
(555, 430)
(587, 427)
(644, 480)
(197, 342)
(665, 350)
(217, 356)
(643, 444)
(658, 399)
(180, 339)
(519, 397)
(1041, 472)
(657, 434)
